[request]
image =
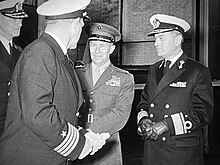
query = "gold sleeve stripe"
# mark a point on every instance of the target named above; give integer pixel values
(73, 144)
(179, 123)
(141, 114)
(70, 141)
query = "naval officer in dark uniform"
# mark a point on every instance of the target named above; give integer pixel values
(11, 15)
(109, 93)
(177, 100)
(41, 121)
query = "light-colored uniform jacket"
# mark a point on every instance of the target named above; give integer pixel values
(108, 105)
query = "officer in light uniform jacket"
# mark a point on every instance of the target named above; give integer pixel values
(11, 16)
(177, 104)
(109, 93)
(41, 120)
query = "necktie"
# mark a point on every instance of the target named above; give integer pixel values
(96, 75)
(166, 66)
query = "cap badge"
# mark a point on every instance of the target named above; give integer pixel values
(156, 23)
(99, 27)
(18, 6)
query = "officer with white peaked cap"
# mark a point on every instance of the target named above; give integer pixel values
(41, 121)
(177, 100)
(12, 9)
(11, 15)
(60, 9)
(164, 23)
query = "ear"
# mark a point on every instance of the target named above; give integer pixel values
(112, 48)
(178, 40)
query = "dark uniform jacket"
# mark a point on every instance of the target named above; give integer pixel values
(108, 106)
(184, 97)
(7, 63)
(42, 111)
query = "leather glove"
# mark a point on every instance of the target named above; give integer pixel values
(144, 128)
(158, 129)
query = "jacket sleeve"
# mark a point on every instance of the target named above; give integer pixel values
(202, 112)
(36, 80)
(143, 105)
(118, 116)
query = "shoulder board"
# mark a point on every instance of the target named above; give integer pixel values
(121, 70)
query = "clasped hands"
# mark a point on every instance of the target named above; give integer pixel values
(93, 142)
(152, 130)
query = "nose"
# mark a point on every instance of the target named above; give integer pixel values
(156, 42)
(97, 49)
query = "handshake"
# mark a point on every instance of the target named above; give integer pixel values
(94, 142)
(151, 130)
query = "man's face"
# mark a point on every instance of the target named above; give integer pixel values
(166, 44)
(10, 27)
(100, 51)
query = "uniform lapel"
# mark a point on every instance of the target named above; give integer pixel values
(88, 76)
(177, 69)
(15, 54)
(106, 75)
(61, 57)
(5, 57)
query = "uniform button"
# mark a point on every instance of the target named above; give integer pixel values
(152, 105)
(151, 115)
(9, 83)
(90, 109)
(8, 93)
(167, 106)
(77, 114)
(163, 138)
(186, 116)
(91, 101)
(84, 100)
(165, 116)
(92, 92)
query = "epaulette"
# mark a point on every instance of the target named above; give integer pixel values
(121, 70)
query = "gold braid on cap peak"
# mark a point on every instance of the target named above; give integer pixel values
(15, 12)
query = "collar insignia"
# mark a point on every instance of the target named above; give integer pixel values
(181, 64)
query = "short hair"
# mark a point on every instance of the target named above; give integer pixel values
(179, 33)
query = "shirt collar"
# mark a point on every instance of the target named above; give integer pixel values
(174, 59)
(102, 68)
(60, 43)
(5, 42)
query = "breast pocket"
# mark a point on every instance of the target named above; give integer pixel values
(109, 96)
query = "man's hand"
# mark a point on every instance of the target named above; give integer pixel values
(158, 129)
(144, 128)
(94, 142)
(86, 149)
(97, 140)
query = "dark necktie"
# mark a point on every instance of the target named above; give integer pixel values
(166, 66)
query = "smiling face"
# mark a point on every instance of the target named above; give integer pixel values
(100, 51)
(10, 27)
(168, 44)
